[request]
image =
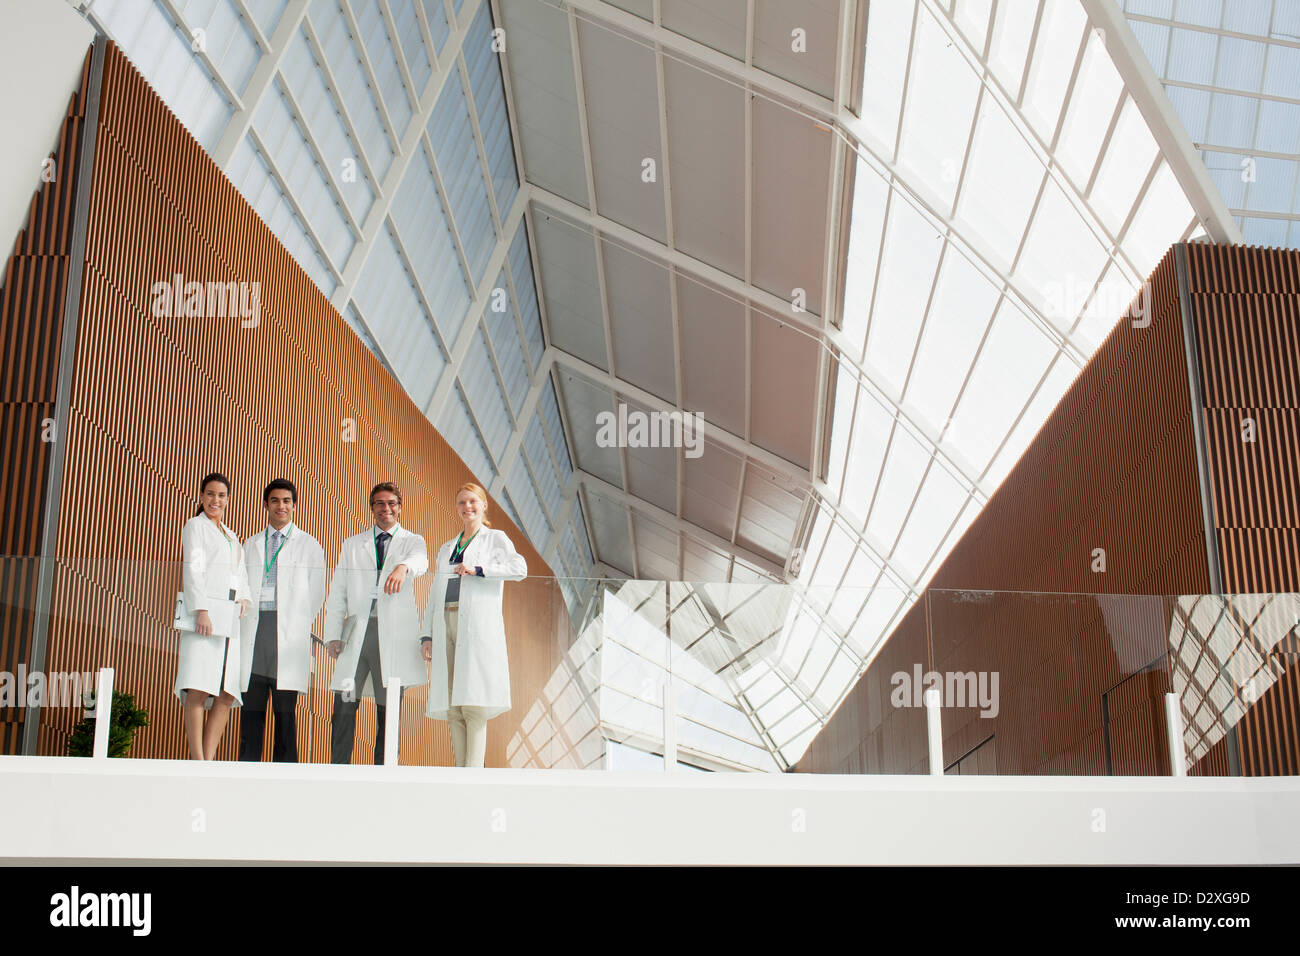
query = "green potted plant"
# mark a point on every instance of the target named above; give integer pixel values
(125, 721)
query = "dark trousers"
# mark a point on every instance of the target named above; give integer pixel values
(343, 723)
(253, 721)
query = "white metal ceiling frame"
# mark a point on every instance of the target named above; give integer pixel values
(1064, 345)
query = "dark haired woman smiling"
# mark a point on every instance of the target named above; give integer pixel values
(207, 666)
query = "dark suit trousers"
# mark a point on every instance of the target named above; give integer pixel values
(253, 721)
(343, 723)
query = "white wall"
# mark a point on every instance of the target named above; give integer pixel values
(42, 46)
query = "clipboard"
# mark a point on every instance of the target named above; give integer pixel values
(222, 614)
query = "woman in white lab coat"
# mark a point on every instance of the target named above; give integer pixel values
(464, 634)
(207, 668)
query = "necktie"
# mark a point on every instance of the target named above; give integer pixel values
(383, 550)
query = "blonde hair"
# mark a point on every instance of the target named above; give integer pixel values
(479, 493)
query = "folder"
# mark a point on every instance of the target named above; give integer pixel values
(221, 612)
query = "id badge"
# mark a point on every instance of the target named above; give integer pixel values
(268, 594)
(376, 591)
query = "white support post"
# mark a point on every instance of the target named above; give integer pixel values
(392, 722)
(103, 711)
(670, 727)
(934, 732)
(1174, 728)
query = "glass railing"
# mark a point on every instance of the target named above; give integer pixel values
(735, 677)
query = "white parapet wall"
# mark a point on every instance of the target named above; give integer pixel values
(77, 809)
(42, 46)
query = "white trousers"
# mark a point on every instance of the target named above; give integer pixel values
(468, 724)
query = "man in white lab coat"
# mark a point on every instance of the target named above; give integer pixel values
(372, 626)
(286, 571)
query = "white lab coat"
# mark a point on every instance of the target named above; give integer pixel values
(347, 609)
(213, 564)
(299, 594)
(481, 672)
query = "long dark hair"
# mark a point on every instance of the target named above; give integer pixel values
(214, 476)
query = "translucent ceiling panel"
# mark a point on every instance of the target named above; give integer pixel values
(549, 410)
(608, 523)
(937, 506)
(252, 176)
(340, 52)
(1060, 249)
(1123, 171)
(386, 294)
(452, 138)
(941, 97)
(870, 195)
(414, 52)
(706, 148)
(622, 101)
(641, 320)
(538, 452)
(305, 81)
(382, 59)
(907, 272)
(435, 16)
(1013, 30)
(798, 42)
(719, 24)
(792, 168)
(571, 288)
(905, 460)
(226, 39)
(889, 34)
(163, 55)
(714, 369)
(291, 151)
(960, 312)
(421, 220)
(521, 273)
(1097, 89)
(1003, 176)
(525, 499)
(712, 490)
(1060, 32)
(545, 98)
(479, 381)
(490, 107)
(781, 415)
(866, 436)
(584, 401)
(506, 343)
(456, 425)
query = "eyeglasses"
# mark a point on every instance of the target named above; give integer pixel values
(386, 504)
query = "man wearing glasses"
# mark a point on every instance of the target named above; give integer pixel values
(371, 625)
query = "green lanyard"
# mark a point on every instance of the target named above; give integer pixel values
(458, 551)
(268, 565)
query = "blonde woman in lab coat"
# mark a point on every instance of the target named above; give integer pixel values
(207, 668)
(464, 634)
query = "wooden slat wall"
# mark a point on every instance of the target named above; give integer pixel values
(158, 402)
(1246, 308)
(31, 322)
(1113, 467)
